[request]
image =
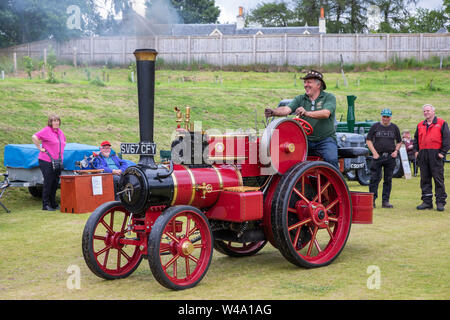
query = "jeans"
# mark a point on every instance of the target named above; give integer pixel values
(388, 163)
(327, 149)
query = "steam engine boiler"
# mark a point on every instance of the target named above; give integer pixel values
(245, 190)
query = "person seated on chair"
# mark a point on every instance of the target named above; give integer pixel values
(110, 163)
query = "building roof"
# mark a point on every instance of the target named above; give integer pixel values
(279, 30)
(135, 24)
(225, 29)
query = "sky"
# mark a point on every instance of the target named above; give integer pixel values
(229, 9)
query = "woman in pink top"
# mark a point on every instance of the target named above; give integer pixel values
(51, 142)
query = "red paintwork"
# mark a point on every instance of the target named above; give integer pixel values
(228, 146)
(267, 225)
(362, 203)
(189, 184)
(237, 206)
(287, 133)
(239, 150)
(305, 125)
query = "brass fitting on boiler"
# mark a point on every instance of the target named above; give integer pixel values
(187, 125)
(188, 118)
(179, 117)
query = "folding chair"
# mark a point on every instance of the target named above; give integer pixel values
(3, 186)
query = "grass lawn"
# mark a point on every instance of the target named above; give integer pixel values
(408, 247)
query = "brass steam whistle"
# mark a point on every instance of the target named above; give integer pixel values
(188, 118)
(187, 125)
(179, 117)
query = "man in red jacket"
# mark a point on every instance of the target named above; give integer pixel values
(432, 140)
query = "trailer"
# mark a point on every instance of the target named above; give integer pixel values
(22, 166)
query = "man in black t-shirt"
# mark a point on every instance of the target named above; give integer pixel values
(384, 141)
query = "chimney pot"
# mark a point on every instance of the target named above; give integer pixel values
(240, 20)
(322, 23)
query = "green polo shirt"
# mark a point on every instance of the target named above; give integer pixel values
(322, 128)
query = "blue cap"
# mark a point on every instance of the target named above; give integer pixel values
(386, 112)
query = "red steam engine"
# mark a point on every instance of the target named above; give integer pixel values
(242, 191)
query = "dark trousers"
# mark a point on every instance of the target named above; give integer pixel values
(431, 167)
(387, 164)
(51, 181)
(412, 160)
(116, 180)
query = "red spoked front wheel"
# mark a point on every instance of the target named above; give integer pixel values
(180, 247)
(311, 214)
(107, 249)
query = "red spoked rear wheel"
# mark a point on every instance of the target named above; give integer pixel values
(237, 250)
(107, 249)
(180, 247)
(311, 214)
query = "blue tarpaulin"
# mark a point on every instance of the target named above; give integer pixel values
(26, 155)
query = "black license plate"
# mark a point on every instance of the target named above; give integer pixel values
(146, 148)
(357, 165)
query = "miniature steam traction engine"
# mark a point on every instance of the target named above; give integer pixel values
(246, 191)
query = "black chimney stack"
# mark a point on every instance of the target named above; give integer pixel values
(145, 66)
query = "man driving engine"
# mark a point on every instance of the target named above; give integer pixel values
(318, 108)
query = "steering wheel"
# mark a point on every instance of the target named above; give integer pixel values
(305, 125)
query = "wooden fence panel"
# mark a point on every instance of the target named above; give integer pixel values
(299, 50)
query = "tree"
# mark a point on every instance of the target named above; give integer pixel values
(197, 11)
(119, 6)
(308, 11)
(271, 15)
(9, 21)
(335, 16)
(30, 20)
(356, 19)
(425, 21)
(393, 13)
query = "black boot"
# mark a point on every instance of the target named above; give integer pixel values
(424, 206)
(387, 205)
